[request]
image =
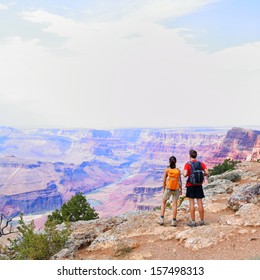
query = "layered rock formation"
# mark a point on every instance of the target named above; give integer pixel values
(36, 187)
(240, 144)
(256, 150)
(118, 170)
(32, 202)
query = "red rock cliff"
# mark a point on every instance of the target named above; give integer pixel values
(239, 144)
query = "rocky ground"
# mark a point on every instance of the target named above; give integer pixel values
(232, 230)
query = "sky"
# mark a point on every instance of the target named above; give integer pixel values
(129, 63)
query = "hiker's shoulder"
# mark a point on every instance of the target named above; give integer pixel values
(203, 164)
(166, 170)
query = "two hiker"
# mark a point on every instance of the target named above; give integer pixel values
(195, 172)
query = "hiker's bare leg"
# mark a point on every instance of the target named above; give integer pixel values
(163, 207)
(200, 208)
(192, 208)
(174, 208)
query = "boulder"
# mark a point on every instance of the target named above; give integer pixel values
(247, 215)
(233, 176)
(85, 232)
(219, 186)
(246, 193)
(205, 236)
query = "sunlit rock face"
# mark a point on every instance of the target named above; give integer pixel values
(256, 150)
(240, 144)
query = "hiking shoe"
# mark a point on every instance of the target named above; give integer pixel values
(202, 223)
(192, 224)
(161, 221)
(174, 223)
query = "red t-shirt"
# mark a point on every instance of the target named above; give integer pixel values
(187, 167)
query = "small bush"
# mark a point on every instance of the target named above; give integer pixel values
(31, 245)
(37, 246)
(76, 209)
(227, 165)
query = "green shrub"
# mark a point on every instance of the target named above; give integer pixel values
(227, 165)
(76, 209)
(31, 245)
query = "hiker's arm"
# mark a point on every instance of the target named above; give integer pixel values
(180, 188)
(185, 172)
(205, 169)
(164, 178)
(206, 172)
(180, 183)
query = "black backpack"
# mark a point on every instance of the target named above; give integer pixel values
(196, 177)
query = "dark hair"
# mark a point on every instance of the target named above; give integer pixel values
(172, 161)
(193, 154)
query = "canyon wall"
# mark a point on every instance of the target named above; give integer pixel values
(118, 170)
(239, 144)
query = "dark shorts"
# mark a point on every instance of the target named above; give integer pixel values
(195, 192)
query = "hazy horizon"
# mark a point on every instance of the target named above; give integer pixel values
(226, 127)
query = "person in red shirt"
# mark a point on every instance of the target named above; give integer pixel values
(194, 191)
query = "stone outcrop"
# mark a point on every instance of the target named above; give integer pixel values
(84, 233)
(223, 183)
(233, 176)
(247, 215)
(256, 150)
(239, 144)
(247, 193)
(219, 186)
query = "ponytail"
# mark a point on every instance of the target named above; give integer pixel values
(172, 161)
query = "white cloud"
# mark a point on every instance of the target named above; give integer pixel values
(112, 79)
(3, 7)
(162, 9)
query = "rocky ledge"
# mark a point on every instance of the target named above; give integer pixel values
(232, 230)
